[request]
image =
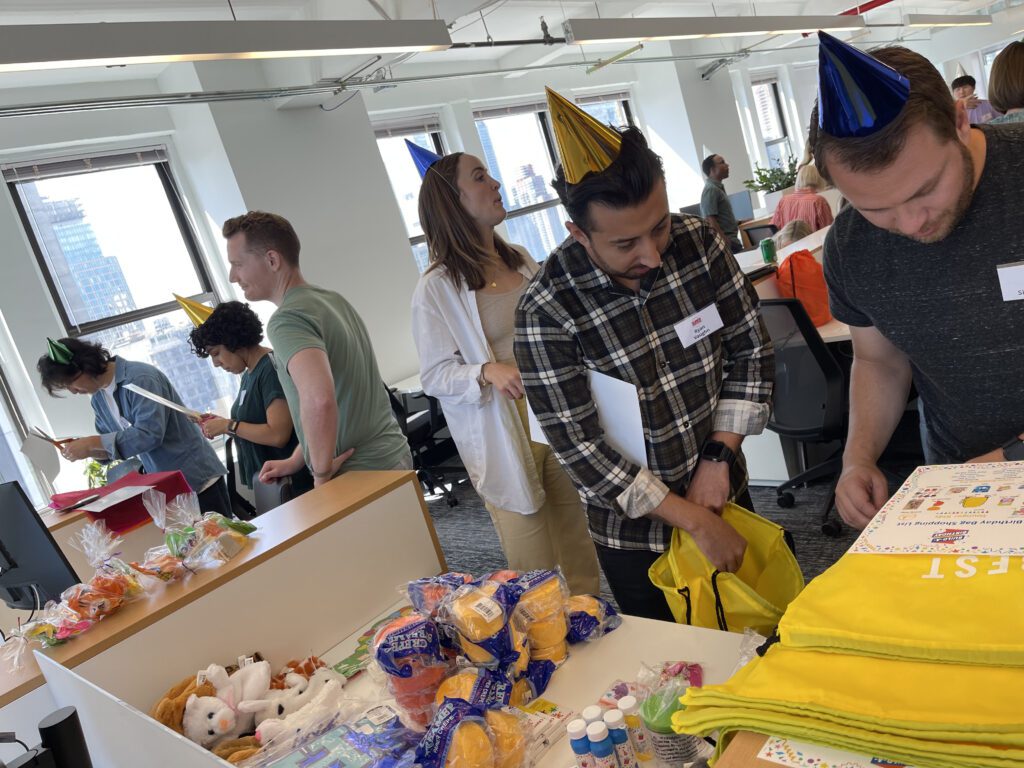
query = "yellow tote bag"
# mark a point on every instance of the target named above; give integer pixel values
(754, 597)
(967, 609)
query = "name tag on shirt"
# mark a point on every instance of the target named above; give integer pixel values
(699, 325)
(1011, 280)
(241, 397)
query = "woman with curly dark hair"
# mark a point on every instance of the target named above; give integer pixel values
(260, 421)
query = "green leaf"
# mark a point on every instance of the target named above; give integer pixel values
(773, 179)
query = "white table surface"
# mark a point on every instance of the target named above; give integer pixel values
(408, 386)
(593, 667)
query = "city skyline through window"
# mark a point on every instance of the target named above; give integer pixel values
(111, 245)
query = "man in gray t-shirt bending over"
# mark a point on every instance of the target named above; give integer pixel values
(911, 266)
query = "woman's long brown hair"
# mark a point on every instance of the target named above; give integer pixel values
(453, 239)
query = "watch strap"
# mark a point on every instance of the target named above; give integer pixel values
(1013, 449)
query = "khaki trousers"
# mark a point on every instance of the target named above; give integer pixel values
(556, 534)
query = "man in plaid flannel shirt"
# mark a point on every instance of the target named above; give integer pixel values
(617, 297)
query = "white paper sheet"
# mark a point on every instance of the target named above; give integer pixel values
(797, 754)
(163, 401)
(954, 509)
(115, 497)
(618, 411)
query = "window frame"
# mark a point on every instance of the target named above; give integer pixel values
(188, 235)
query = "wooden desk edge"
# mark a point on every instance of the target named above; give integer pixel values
(173, 596)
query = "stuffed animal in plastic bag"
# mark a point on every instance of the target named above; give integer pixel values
(212, 719)
(280, 704)
(322, 712)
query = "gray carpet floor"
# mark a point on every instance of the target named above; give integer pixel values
(471, 545)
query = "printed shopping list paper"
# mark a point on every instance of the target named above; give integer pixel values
(797, 754)
(618, 410)
(953, 509)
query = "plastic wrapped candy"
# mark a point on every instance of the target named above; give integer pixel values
(458, 737)
(199, 540)
(161, 564)
(477, 685)
(101, 549)
(543, 609)
(590, 618)
(533, 683)
(503, 576)
(665, 684)
(509, 738)
(409, 652)
(426, 594)
(482, 615)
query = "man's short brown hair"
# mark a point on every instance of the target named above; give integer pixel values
(930, 103)
(1006, 82)
(266, 231)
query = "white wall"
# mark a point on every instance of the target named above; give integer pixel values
(321, 170)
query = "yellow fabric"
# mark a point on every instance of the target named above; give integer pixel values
(967, 609)
(918, 712)
(197, 313)
(754, 597)
(584, 144)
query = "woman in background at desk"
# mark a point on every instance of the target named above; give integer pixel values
(463, 324)
(130, 424)
(260, 421)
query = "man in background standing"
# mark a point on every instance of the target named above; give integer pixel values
(715, 205)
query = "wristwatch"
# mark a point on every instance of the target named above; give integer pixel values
(1013, 449)
(233, 428)
(718, 452)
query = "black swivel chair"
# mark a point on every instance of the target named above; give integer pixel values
(266, 496)
(420, 429)
(758, 233)
(810, 401)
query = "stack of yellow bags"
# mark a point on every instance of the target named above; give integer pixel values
(913, 657)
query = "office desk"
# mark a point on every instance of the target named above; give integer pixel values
(408, 386)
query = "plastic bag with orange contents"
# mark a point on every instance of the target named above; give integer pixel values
(409, 651)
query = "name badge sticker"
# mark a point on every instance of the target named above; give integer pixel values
(699, 325)
(1011, 280)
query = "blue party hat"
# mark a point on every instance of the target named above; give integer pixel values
(423, 158)
(857, 94)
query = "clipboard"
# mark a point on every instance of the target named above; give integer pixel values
(194, 415)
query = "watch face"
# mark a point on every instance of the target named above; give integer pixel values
(1015, 452)
(712, 452)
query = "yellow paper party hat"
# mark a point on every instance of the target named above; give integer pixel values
(584, 144)
(197, 313)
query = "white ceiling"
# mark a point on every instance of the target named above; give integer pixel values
(470, 21)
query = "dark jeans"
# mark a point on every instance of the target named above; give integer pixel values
(626, 571)
(216, 499)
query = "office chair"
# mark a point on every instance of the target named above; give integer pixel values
(810, 400)
(420, 429)
(266, 496)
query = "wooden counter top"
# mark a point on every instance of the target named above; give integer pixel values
(279, 530)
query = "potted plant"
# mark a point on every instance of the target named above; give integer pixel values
(774, 181)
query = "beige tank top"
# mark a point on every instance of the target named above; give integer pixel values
(498, 318)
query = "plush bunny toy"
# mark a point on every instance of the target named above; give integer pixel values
(211, 719)
(282, 703)
(320, 713)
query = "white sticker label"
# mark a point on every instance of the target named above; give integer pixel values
(487, 608)
(241, 397)
(381, 714)
(200, 678)
(1011, 280)
(245, 661)
(699, 325)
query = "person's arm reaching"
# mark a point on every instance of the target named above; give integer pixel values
(276, 432)
(310, 370)
(879, 385)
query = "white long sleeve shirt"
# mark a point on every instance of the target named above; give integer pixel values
(484, 423)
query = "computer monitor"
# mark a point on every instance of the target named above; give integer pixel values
(692, 209)
(742, 207)
(30, 560)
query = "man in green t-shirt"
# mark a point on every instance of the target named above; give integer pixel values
(323, 355)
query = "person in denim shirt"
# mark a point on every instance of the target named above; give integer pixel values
(130, 424)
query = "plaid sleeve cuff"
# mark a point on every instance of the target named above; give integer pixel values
(643, 495)
(744, 417)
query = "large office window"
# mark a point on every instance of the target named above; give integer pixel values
(405, 179)
(114, 243)
(768, 104)
(611, 108)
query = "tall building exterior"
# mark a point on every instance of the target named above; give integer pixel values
(92, 286)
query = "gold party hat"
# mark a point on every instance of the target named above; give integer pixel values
(584, 144)
(197, 313)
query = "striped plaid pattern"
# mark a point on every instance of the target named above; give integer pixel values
(574, 317)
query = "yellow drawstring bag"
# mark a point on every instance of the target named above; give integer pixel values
(967, 609)
(754, 597)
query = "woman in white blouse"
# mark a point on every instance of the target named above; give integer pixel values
(463, 313)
